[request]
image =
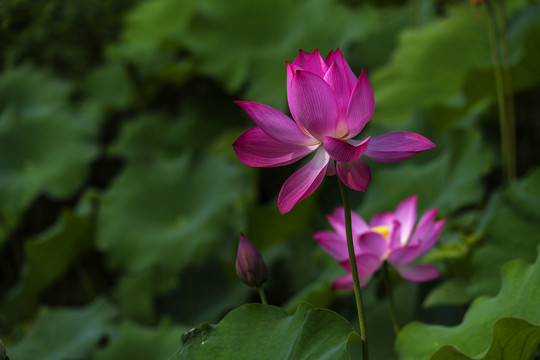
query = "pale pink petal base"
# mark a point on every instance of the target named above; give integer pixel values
(418, 273)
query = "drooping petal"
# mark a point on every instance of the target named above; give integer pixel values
(313, 104)
(338, 83)
(366, 262)
(333, 243)
(405, 214)
(337, 220)
(382, 219)
(397, 146)
(361, 105)
(418, 273)
(315, 64)
(255, 148)
(346, 282)
(355, 174)
(345, 151)
(276, 124)
(432, 238)
(338, 57)
(424, 227)
(303, 182)
(374, 243)
(403, 255)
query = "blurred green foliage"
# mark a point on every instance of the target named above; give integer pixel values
(121, 198)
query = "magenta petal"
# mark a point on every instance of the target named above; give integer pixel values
(345, 151)
(255, 148)
(303, 182)
(346, 282)
(275, 124)
(424, 227)
(313, 104)
(339, 59)
(395, 235)
(337, 220)
(355, 174)
(366, 262)
(403, 255)
(397, 146)
(382, 219)
(361, 105)
(406, 215)
(432, 238)
(374, 243)
(300, 60)
(338, 83)
(334, 244)
(418, 273)
(315, 64)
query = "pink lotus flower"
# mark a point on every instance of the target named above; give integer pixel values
(389, 237)
(330, 106)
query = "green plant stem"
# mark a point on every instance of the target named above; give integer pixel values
(354, 269)
(506, 123)
(388, 285)
(262, 295)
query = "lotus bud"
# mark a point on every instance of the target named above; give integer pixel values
(250, 266)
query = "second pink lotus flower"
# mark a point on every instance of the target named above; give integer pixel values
(390, 236)
(330, 106)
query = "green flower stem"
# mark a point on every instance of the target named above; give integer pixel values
(354, 269)
(262, 295)
(506, 115)
(388, 285)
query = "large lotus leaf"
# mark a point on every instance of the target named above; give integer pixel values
(169, 213)
(45, 147)
(511, 230)
(48, 257)
(451, 180)
(138, 342)
(517, 298)
(512, 339)
(66, 333)
(256, 331)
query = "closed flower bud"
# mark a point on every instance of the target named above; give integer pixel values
(250, 266)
